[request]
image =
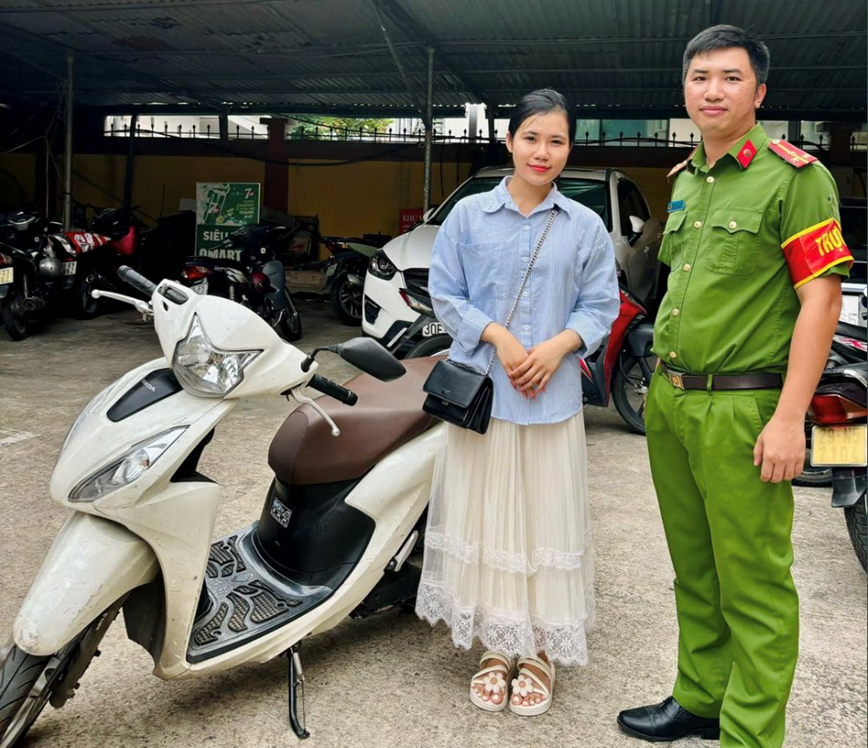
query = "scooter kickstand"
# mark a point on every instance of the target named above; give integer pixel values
(296, 679)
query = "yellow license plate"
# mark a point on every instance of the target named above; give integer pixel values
(7, 275)
(840, 446)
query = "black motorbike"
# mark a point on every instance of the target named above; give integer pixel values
(345, 273)
(32, 275)
(244, 268)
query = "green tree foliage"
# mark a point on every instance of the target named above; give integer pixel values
(342, 128)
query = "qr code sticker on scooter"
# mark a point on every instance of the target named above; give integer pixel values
(280, 512)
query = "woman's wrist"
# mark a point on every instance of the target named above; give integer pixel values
(571, 341)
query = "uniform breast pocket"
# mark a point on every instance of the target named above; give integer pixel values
(671, 248)
(732, 245)
(485, 269)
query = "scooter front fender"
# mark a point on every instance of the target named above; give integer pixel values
(91, 564)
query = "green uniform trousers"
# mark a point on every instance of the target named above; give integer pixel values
(729, 539)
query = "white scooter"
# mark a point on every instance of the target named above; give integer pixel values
(340, 518)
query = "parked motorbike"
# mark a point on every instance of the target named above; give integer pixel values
(621, 367)
(31, 273)
(339, 521)
(244, 268)
(838, 442)
(848, 347)
(345, 273)
(114, 237)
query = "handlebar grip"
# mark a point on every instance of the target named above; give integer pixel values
(332, 389)
(136, 280)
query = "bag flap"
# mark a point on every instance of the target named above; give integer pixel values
(453, 384)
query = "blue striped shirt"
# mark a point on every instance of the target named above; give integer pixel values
(479, 258)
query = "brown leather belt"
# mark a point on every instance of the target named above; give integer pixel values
(685, 381)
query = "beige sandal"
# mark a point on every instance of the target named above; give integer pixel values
(494, 679)
(528, 683)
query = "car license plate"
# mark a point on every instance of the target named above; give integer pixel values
(200, 288)
(433, 328)
(839, 446)
(68, 268)
(6, 275)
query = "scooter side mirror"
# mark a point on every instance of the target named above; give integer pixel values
(371, 357)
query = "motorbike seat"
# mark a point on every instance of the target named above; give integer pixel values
(847, 330)
(387, 415)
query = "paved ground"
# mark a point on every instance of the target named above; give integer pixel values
(392, 680)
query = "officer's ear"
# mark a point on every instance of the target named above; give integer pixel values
(761, 91)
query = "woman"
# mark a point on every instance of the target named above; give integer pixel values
(508, 546)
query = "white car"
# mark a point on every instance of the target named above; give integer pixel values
(396, 285)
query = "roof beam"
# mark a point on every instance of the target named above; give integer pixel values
(268, 109)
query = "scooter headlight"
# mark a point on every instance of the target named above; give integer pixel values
(205, 370)
(130, 467)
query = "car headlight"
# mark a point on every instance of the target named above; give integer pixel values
(130, 467)
(203, 369)
(381, 266)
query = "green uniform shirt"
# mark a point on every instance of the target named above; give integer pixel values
(740, 237)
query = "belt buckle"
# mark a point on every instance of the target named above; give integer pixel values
(676, 380)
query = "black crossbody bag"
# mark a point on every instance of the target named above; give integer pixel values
(461, 395)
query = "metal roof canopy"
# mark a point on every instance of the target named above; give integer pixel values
(618, 59)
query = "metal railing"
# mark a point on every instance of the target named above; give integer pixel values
(328, 133)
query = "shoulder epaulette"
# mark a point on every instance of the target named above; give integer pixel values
(679, 166)
(789, 153)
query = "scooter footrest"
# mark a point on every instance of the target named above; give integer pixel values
(247, 599)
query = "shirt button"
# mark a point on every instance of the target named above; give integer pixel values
(526, 328)
(527, 228)
(673, 354)
(697, 225)
(710, 180)
(524, 293)
(687, 268)
(776, 141)
(675, 312)
(733, 225)
(524, 259)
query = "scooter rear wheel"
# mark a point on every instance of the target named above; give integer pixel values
(290, 321)
(629, 389)
(857, 527)
(16, 319)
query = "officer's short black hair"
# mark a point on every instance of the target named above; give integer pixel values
(542, 101)
(723, 37)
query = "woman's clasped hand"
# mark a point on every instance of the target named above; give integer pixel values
(531, 369)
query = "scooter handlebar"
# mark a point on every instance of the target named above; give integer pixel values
(136, 280)
(332, 389)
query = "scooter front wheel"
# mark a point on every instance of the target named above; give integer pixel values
(16, 319)
(29, 682)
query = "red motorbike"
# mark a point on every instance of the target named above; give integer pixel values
(621, 367)
(113, 240)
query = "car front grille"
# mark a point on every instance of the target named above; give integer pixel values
(417, 281)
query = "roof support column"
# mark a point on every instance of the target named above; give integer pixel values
(67, 155)
(276, 188)
(429, 130)
(131, 160)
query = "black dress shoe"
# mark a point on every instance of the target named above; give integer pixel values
(667, 721)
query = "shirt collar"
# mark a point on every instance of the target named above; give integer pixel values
(743, 152)
(499, 197)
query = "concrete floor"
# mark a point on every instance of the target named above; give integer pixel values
(393, 680)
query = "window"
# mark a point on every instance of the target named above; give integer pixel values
(630, 203)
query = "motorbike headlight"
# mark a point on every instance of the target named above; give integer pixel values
(130, 467)
(381, 266)
(205, 370)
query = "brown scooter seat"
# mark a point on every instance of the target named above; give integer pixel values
(387, 415)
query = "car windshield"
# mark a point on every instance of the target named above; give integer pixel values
(589, 192)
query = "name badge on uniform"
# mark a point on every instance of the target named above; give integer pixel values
(675, 206)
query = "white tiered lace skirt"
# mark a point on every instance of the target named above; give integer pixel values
(508, 556)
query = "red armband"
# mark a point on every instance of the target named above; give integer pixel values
(813, 251)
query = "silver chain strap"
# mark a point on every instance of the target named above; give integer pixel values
(530, 265)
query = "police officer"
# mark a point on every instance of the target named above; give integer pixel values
(756, 258)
